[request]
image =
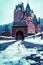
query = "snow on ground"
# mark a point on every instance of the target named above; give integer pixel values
(36, 40)
(7, 37)
(18, 49)
(6, 41)
(10, 54)
(14, 53)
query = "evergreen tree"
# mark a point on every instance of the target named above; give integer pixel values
(6, 28)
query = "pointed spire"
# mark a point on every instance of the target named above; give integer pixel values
(28, 7)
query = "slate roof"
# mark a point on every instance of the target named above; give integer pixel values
(21, 23)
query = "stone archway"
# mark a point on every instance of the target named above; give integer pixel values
(19, 35)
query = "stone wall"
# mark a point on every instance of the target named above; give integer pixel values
(19, 28)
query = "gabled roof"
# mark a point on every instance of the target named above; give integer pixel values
(21, 23)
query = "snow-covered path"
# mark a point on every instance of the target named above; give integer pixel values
(14, 53)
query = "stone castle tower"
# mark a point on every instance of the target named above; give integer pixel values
(25, 22)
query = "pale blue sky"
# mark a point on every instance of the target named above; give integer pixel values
(7, 9)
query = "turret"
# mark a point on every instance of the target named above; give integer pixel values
(28, 8)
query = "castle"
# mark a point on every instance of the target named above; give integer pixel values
(25, 22)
